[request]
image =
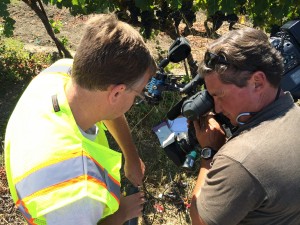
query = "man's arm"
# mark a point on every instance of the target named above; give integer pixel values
(134, 167)
(196, 219)
(209, 134)
(227, 193)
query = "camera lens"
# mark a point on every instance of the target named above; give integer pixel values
(198, 105)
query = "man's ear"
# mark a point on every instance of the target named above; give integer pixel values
(115, 91)
(258, 80)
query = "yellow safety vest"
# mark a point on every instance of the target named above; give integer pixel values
(49, 163)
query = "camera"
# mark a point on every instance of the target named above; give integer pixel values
(287, 41)
(195, 103)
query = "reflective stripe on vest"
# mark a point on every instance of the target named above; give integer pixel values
(30, 185)
(25, 213)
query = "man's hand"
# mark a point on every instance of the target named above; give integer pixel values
(209, 132)
(130, 207)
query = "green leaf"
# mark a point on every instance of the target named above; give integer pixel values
(241, 2)
(3, 8)
(212, 6)
(8, 23)
(276, 11)
(261, 7)
(175, 4)
(200, 4)
(8, 27)
(228, 6)
(259, 20)
(74, 2)
(144, 5)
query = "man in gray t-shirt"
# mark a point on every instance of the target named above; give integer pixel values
(254, 176)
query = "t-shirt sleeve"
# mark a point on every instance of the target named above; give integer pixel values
(229, 193)
(84, 211)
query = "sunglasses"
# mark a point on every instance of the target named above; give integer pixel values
(139, 98)
(211, 60)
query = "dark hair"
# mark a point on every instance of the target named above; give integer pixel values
(110, 52)
(246, 51)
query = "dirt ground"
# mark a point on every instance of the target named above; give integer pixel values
(30, 30)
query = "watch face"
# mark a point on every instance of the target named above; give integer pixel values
(206, 153)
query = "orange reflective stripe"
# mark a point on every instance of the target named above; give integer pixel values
(21, 206)
(112, 179)
(61, 174)
(51, 162)
(65, 184)
(112, 193)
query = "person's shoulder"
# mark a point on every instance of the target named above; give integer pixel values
(239, 147)
(61, 66)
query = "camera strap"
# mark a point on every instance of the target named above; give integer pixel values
(278, 93)
(253, 113)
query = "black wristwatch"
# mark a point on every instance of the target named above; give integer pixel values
(207, 153)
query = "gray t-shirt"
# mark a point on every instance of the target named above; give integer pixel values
(255, 176)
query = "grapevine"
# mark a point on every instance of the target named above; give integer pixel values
(160, 14)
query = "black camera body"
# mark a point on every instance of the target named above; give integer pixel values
(198, 103)
(287, 41)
